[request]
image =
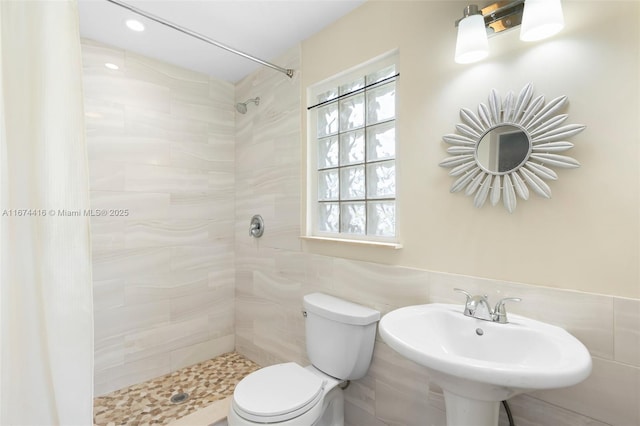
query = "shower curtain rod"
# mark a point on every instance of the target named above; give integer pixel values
(287, 71)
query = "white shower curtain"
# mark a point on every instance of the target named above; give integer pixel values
(46, 319)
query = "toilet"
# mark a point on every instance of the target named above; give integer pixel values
(340, 337)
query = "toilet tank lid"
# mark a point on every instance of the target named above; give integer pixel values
(339, 310)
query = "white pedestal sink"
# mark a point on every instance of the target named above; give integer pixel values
(480, 363)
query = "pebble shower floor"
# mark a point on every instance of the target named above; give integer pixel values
(149, 403)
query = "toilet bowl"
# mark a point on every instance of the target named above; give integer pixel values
(340, 337)
(296, 396)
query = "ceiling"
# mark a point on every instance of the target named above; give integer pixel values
(261, 28)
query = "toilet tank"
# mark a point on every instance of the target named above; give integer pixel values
(340, 335)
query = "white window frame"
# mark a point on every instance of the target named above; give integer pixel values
(313, 91)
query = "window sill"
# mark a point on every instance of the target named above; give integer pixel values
(394, 246)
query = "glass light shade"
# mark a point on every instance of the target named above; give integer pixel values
(472, 44)
(541, 19)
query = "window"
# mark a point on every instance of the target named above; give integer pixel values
(352, 155)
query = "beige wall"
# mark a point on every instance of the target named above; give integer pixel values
(587, 236)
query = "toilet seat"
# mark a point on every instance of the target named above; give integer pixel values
(277, 393)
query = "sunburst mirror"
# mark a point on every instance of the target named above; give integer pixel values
(509, 147)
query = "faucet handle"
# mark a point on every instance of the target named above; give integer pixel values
(500, 311)
(465, 292)
(467, 304)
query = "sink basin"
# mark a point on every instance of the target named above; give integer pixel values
(480, 363)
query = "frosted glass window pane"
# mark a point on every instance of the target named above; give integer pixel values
(352, 147)
(329, 94)
(352, 112)
(328, 120)
(381, 180)
(328, 153)
(390, 71)
(350, 87)
(381, 141)
(381, 218)
(381, 103)
(353, 218)
(328, 217)
(328, 185)
(356, 137)
(352, 183)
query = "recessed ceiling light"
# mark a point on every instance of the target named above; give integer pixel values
(135, 25)
(111, 66)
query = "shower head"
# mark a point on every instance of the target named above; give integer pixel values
(241, 107)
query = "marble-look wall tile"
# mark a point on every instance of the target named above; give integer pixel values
(156, 287)
(194, 354)
(129, 263)
(200, 156)
(384, 287)
(102, 118)
(213, 302)
(167, 233)
(627, 331)
(216, 205)
(131, 373)
(529, 411)
(108, 294)
(148, 178)
(138, 205)
(165, 338)
(128, 319)
(160, 142)
(401, 388)
(109, 352)
(141, 122)
(127, 150)
(106, 175)
(610, 394)
(117, 88)
(267, 155)
(355, 416)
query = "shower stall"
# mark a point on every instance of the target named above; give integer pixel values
(161, 150)
(177, 162)
(167, 147)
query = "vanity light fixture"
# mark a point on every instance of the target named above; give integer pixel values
(539, 19)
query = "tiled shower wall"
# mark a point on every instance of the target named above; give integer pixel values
(161, 160)
(273, 274)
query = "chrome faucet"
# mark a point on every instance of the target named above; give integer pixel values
(478, 307)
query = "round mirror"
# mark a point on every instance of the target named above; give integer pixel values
(503, 149)
(509, 147)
